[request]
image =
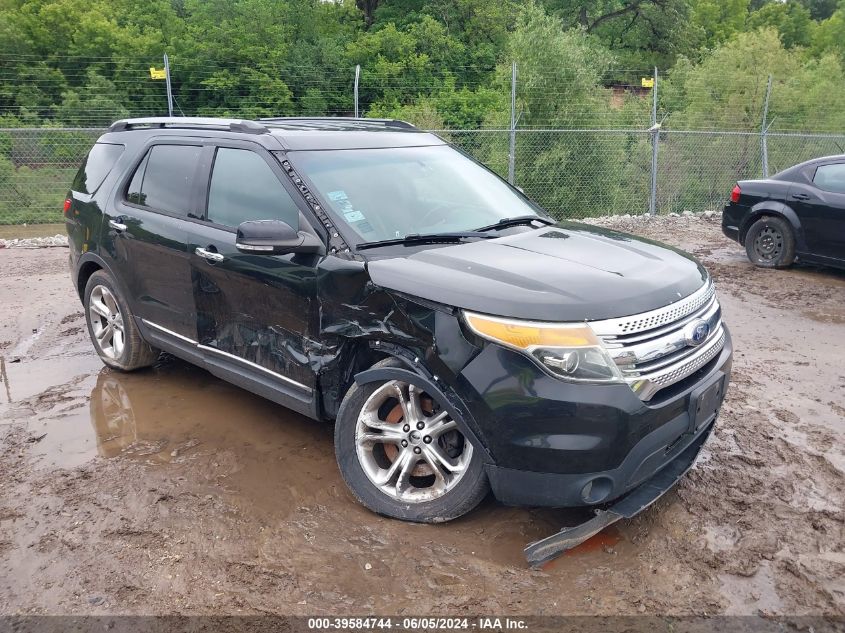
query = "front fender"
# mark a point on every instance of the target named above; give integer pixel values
(451, 402)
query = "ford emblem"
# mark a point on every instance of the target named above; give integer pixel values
(696, 332)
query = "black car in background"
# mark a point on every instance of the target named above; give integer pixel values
(796, 214)
(366, 272)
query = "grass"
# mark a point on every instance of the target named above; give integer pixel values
(34, 196)
(13, 231)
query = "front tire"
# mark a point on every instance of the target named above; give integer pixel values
(770, 243)
(112, 328)
(403, 456)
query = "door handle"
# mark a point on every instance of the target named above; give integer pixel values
(117, 226)
(800, 196)
(209, 255)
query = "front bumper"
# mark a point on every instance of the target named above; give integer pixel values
(561, 444)
(629, 506)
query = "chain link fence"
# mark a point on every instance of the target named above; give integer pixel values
(616, 150)
(571, 173)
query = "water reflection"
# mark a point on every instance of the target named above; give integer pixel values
(112, 415)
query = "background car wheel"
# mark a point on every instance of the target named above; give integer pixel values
(112, 328)
(770, 243)
(402, 454)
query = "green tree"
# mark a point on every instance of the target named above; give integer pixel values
(718, 20)
(96, 104)
(829, 35)
(642, 33)
(791, 19)
(820, 9)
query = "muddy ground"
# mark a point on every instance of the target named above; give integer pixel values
(169, 491)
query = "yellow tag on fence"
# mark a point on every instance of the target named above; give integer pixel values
(155, 73)
(646, 82)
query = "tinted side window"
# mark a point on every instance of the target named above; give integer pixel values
(133, 194)
(96, 167)
(243, 187)
(830, 178)
(165, 178)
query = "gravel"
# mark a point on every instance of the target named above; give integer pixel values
(35, 242)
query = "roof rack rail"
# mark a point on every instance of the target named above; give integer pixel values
(339, 119)
(233, 125)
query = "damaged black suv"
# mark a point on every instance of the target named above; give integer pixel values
(366, 272)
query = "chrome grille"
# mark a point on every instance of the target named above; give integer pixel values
(653, 349)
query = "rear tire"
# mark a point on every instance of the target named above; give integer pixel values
(770, 243)
(436, 476)
(112, 328)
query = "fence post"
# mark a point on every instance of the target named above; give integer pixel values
(169, 91)
(357, 78)
(764, 129)
(512, 148)
(655, 141)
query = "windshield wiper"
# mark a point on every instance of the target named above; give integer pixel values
(522, 219)
(430, 238)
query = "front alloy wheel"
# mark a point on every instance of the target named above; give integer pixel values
(407, 447)
(403, 454)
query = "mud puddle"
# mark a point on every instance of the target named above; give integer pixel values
(169, 491)
(241, 450)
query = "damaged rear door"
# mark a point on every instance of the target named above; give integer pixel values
(256, 314)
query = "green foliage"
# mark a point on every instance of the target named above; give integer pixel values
(830, 35)
(718, 20)
(92, 104)
(642, 33)
(441, 64)
(806, 91)
(791, 19)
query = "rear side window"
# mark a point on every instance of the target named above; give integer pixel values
(243, 187)
(830, 178)
(164, 180)
(96, 167)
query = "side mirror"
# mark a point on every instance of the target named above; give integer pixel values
(274, 237)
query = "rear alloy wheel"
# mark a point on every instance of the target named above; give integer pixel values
(403, 455)
(112, 327)
(106, 321)
(770, 243)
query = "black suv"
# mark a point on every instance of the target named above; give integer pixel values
(367, 272)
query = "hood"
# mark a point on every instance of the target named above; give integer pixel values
(566, 272)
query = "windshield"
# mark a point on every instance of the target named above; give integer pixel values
(389, 193)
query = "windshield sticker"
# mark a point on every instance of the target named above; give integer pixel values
(343, 205)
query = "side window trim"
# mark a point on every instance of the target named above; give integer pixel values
(212, 145)
(143, 155)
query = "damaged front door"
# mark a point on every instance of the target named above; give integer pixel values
(259, 311)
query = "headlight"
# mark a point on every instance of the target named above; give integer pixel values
(570, 351)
